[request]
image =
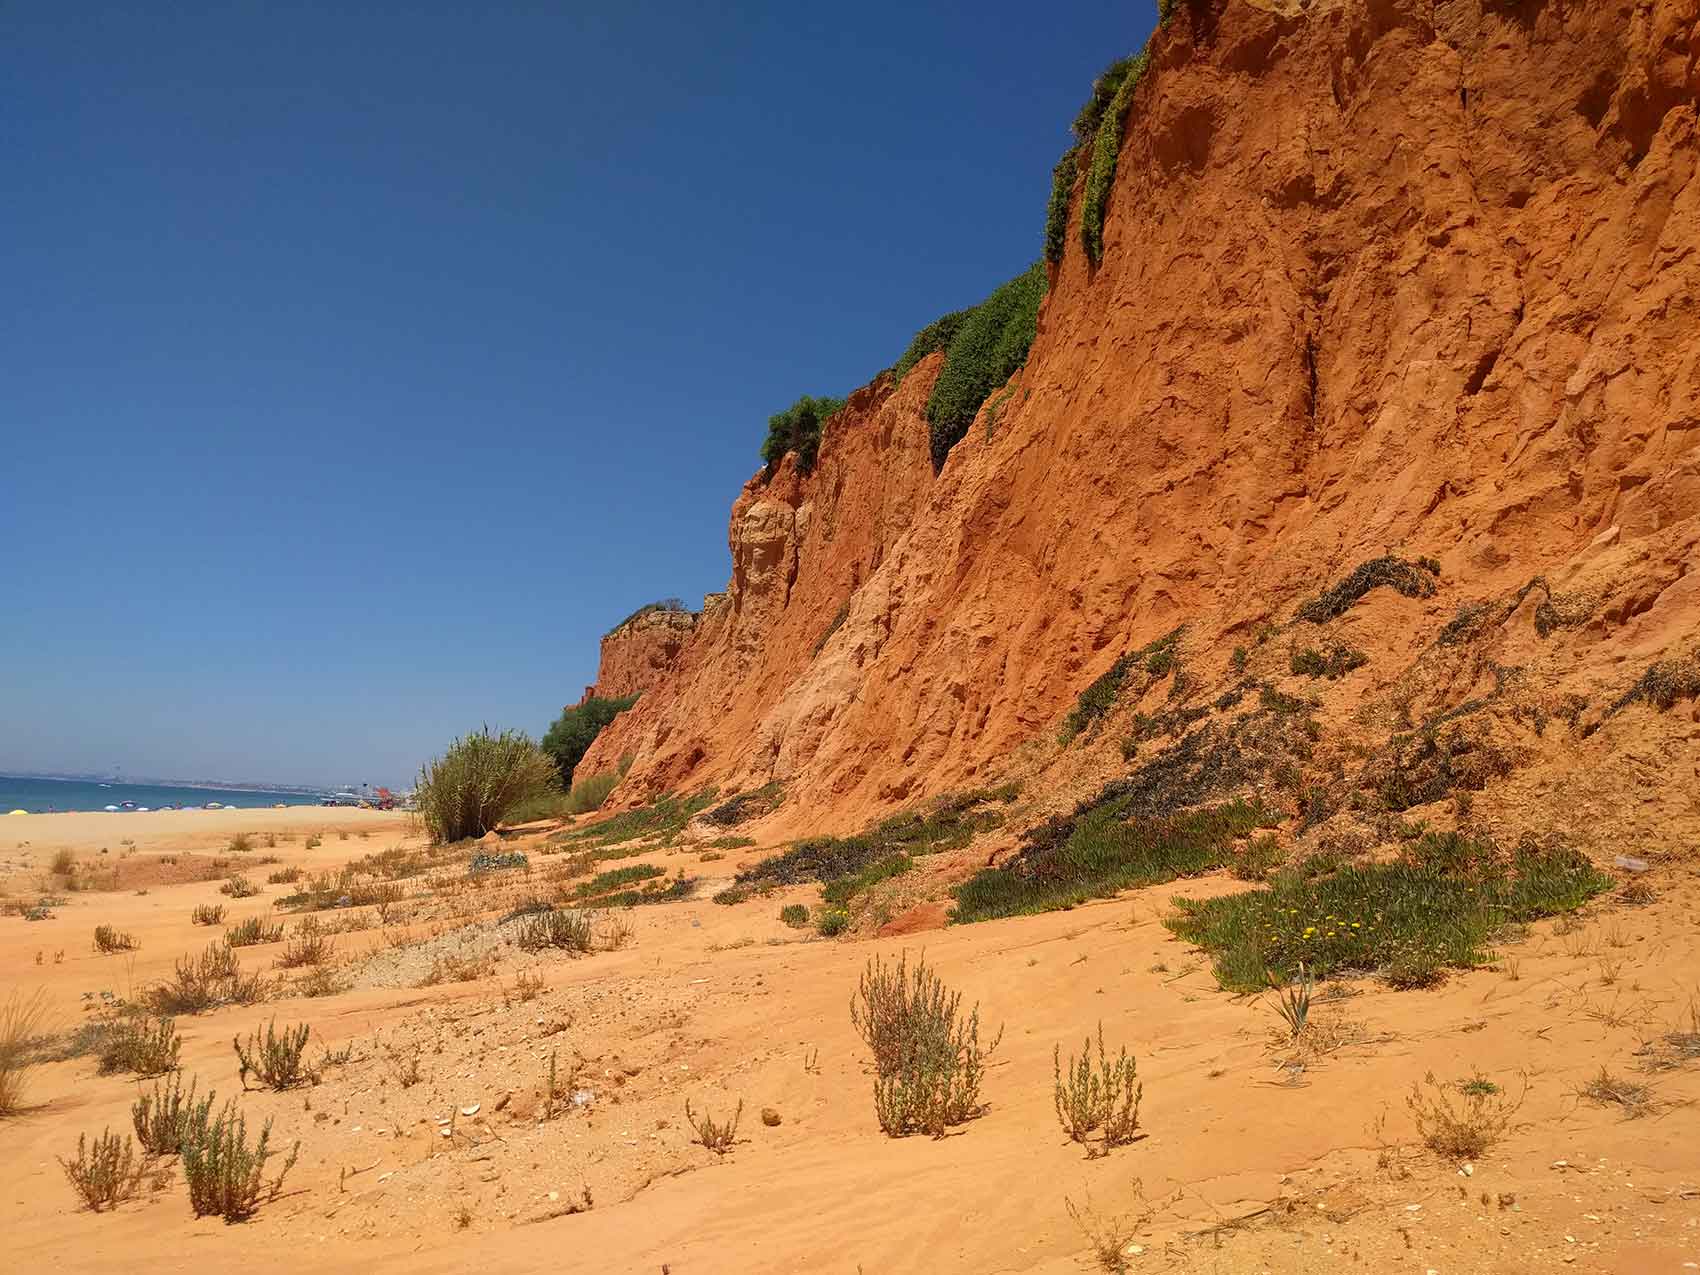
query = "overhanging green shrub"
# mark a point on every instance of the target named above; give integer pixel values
(798, 429)
(1087, 122)
(576, 729)
(935, 336)
(482, 776)
(989, 347)
(1106, 147)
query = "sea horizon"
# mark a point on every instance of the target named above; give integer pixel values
(48, 796)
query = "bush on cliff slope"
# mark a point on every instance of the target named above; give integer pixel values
(576, 729)
(798, 429)
(988, 348)
(1106, 147)
(1088, 124)
(937, 335)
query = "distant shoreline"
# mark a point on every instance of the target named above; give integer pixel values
(213, 785)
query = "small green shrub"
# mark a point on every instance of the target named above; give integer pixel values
(556, 928)
(989, 347)
(746, 805)
(284, 876)
(275, 1057)
(253, 931)
(107, 939)
(208, 914)
(169, 1117)
(239, 887)
(482, 776)
(947, 824)
(145, 1046)
(575, 730)
(1407, 579)
(106, 1173)
(733, 895)
(241, 843)
(309, 947)
(928, 1059)
(795, 915)
(201, 983)
(614, 878)
(798, 429)
(1100, 697)
(226, 1175)
(832, 922)
(1333, 664)
(842, 890)
(1099, 852)
(1105, 1097)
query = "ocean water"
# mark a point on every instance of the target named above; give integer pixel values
(41, 795)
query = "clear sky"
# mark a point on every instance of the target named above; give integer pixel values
(361, 364)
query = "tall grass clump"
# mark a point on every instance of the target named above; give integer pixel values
(1438, 906)
(21, 1017)
(1106, 148)
(226, 1175)
(989, 347)
(928, 1059)
(798, 429)
(208, 914)
(466, 792)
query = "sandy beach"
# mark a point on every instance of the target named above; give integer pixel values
(722, 1005)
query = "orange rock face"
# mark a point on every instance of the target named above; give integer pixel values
(1377, 278)
(640, 653)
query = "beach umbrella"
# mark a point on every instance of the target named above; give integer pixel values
(17, 812)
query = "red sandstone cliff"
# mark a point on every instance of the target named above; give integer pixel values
(639, 653)
(1377, 277)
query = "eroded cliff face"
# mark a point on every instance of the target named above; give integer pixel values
(639, 654)
(1384, 277)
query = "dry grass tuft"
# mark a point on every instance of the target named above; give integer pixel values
(1462, 1120)
(1636, 1100)
(21, 1017)
(717, 1136)
(1109, 1235)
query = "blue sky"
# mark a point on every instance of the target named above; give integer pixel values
(364, 363)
